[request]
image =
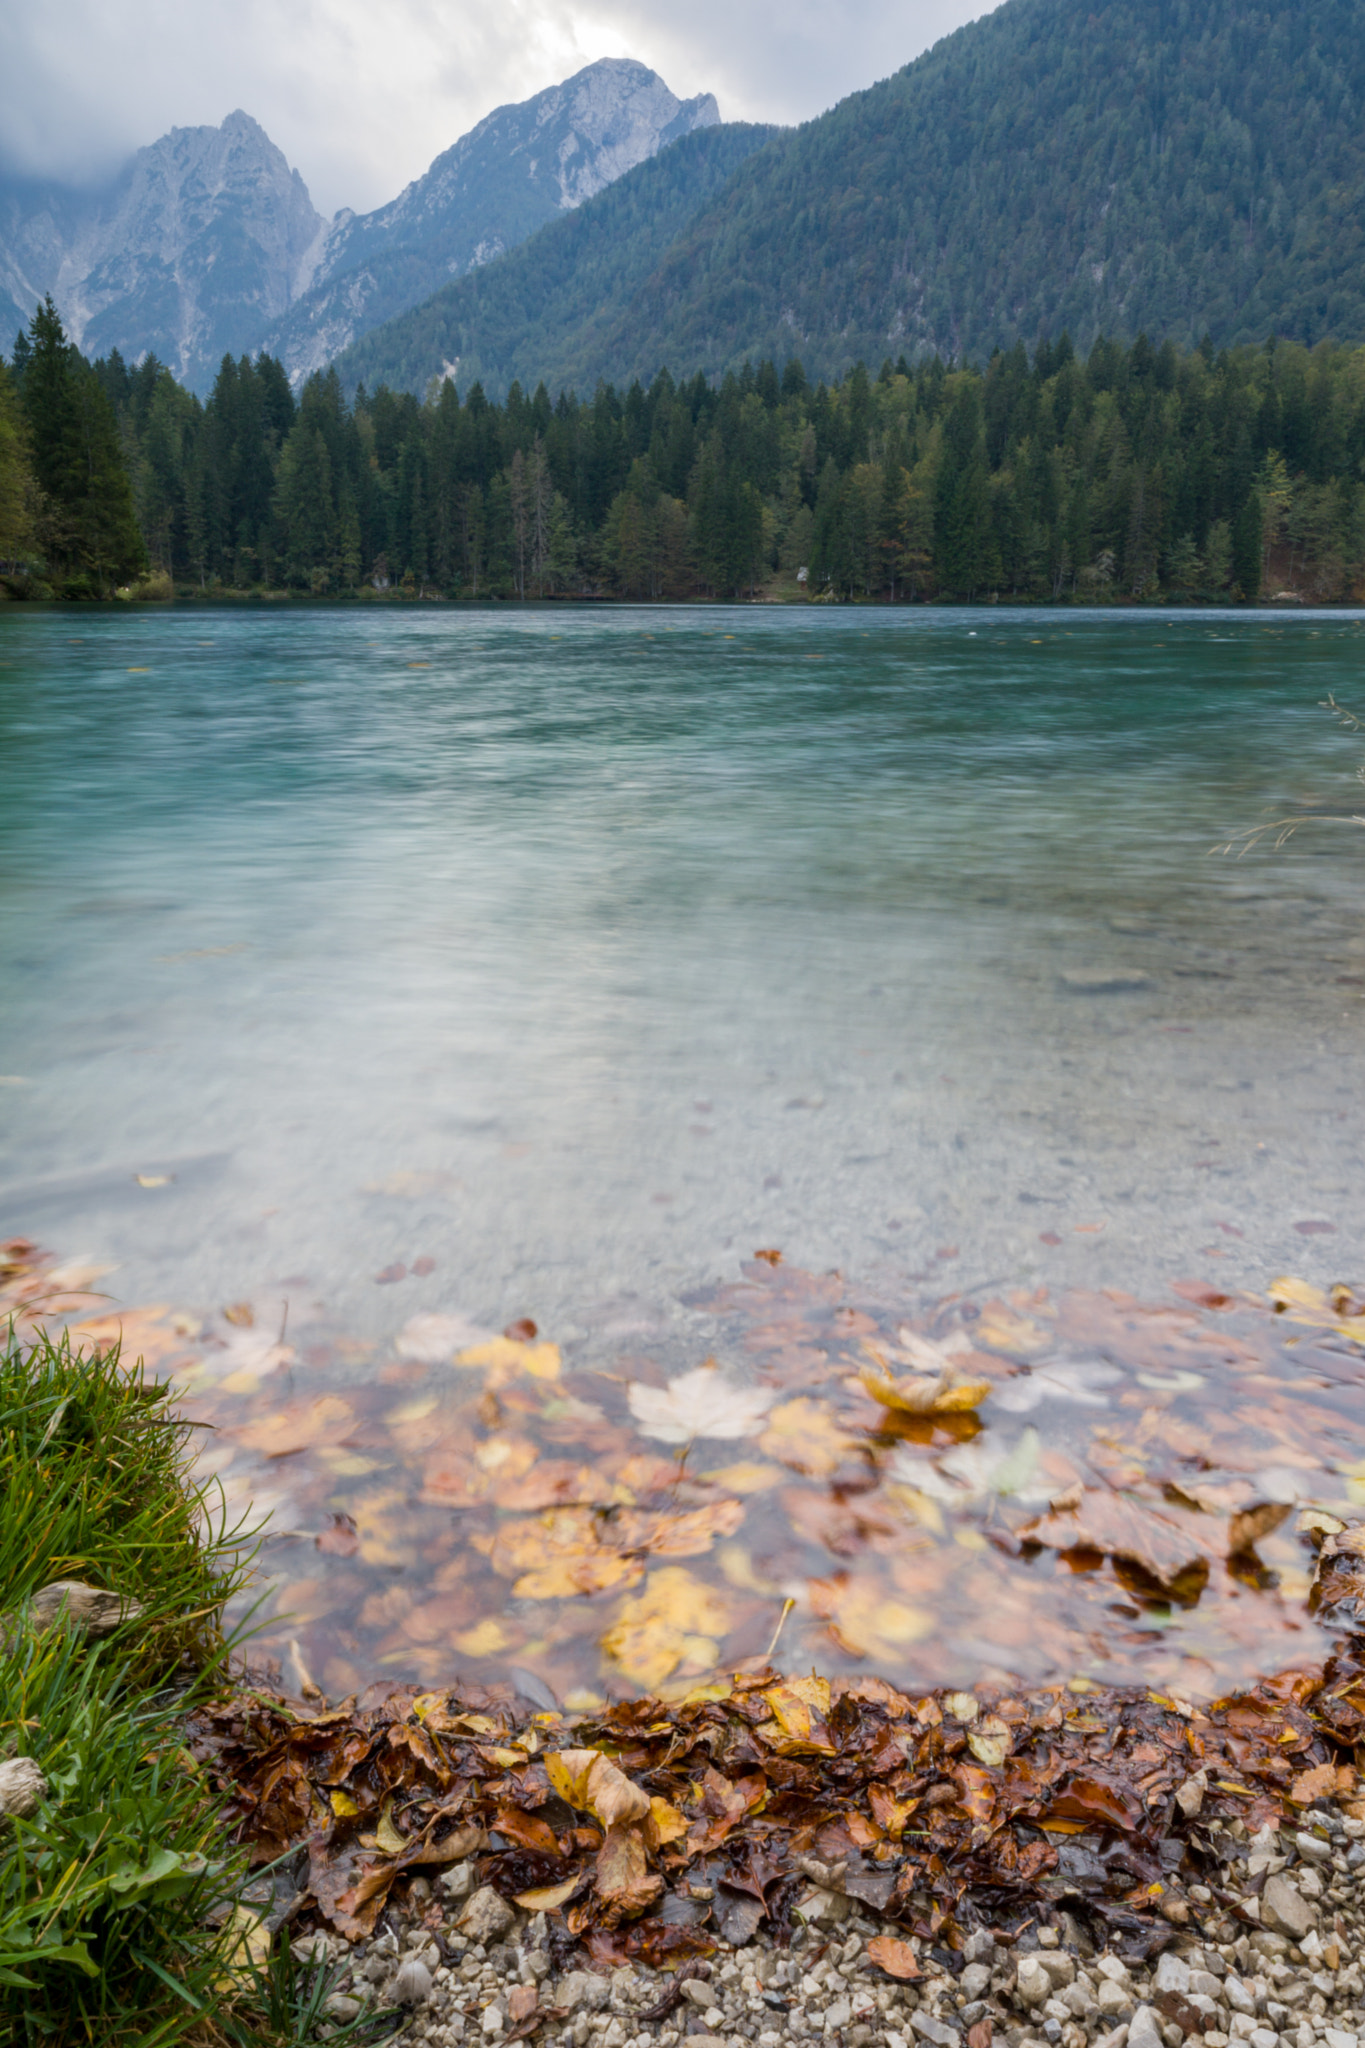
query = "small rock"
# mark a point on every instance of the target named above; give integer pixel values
(341, 2006)
(1313, 1847)
(1236, 1994)
(979, 1947)
(838, 2015)
(1338, 2037)
(1284, 1909)
(1032, 1982)
(700, 1995)
(1060, 1967)
(458, 1881)
(23, 1788)
(487, 1916)
(1144, 2029)
(1172, 1973)
(1190, 1797)
(1113, 1998)
(412, 1985)
(1103, 981)
(583, 1991)
(927, 2028)
(1264, 2037)
(975, 1981)
(1114, 1968)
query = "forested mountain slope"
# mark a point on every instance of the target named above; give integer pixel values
(1100, 166)
(547, 310)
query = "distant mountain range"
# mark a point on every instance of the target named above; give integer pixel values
(208, 243)
(1100, 166)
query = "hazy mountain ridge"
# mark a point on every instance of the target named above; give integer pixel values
(1178, 166)
(207, 242)
(520, 167)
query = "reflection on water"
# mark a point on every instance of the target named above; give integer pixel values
(371, 966)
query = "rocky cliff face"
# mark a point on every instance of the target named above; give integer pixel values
(208, 242)
(489, 191)
(197, 248)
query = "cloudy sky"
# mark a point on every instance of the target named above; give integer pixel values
(361, 96)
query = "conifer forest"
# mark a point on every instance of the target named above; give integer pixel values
(1135, 473)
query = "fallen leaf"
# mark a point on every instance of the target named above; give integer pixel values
(665, 1823)
(803, 1434)
(623, 1877)
(990, 1741)
(702, 1403)
(558, 1554)
(1164, 1544)
(339, 1538)
(548, 1898)
(507, 1354)
(1082, 1384)
(897, 1958)
(673, 1621)
(245, 1945)
(241, 1314)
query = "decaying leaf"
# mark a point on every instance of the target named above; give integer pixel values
(1161, 1540)
(699, 1404)
(548, 1898)
(990, 1740)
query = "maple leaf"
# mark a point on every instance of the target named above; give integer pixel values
(702, 1403)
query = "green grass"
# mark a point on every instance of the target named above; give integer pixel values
(111, 1892)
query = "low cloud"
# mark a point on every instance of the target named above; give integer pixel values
(361, 98)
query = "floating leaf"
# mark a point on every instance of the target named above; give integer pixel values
(703, 1403)
(1082, 1384)
(949, 1394)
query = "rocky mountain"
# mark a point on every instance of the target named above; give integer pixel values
(534, 313)
(208, 243)
(519, 168)
(197, 248)
(1181, 167)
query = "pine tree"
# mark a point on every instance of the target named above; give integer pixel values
(88, 525)
(18, 487)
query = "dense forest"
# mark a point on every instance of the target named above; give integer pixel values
(1174, 167)
(1131, 474)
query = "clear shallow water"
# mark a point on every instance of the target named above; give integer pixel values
(581, 952)
(365, 966)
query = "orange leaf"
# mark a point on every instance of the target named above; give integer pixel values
(897, 1958)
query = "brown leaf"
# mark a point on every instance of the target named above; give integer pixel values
(521, 2002)
(390, 1274)
(979, 2035)
(624, 1879)
(339, 1538)
(897, 1958)
(1164, 1542)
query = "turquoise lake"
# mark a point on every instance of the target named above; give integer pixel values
(579, 952)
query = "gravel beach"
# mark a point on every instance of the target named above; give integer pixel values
(1283, 1971)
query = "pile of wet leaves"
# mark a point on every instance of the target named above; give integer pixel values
(654, 1830)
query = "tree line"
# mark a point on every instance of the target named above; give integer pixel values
(1137, 473)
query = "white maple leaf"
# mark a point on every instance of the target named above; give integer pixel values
(972, 1472)
(433, 1339)
(702, 1403)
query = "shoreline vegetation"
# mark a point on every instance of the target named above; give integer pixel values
(1141, 474)
(189, 1855)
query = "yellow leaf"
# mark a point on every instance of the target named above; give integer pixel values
(666, 1823)
(548, 1898)
(658, 1628)
(343, 1806)
(505, 1355)
(487, 1638)
(804, 1435)
(1004, 1332)
(386, 1835)
(245, 1943)
(963, 1706)
(947, 1395)
(744, 1478)
(592, 1783)
(990, 1741)
(567, 1770)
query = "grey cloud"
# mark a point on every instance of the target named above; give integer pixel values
(361, 98)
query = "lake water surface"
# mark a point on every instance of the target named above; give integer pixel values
(562, 958)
